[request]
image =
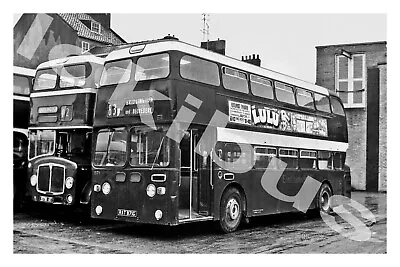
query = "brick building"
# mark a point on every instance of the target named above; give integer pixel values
(35, 35)
(357, 72)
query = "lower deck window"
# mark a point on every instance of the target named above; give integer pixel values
(325, 160)
(290, 157)
(308, 159)
(263, 157)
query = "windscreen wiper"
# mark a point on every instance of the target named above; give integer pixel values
(158, 152)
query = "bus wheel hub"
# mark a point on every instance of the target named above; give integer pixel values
(233, 209)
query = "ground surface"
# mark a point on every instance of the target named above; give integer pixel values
(52, 231)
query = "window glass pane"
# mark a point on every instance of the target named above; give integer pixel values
(304, 98)
(235, 80)
(152, 67)
(263, 156)
(337, 162)
(199, 70)
(343, 68)
(343, 86)
(308, 154)
(261, 87)
(325, 160)
(322, 102)
(72, 76)
(149, 147)
(357, 96)
(110, 148)
(21, 85)
(45, 79)
(337, 107)
(357, 66)
(116, 72)
(284, 93)
(41, 143)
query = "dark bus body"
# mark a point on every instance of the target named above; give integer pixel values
(150, 164)
(22, 87)
(60, 130)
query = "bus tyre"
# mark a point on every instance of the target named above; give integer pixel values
(231, 210)
(324, 199)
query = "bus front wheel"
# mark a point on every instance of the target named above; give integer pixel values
(324, 199)
(231, 210)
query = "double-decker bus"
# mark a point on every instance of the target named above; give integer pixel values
(173, 120)
(22, 87)
(60, 130)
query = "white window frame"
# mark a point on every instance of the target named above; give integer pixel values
(95, 23)
(83, 46)
(350, 80)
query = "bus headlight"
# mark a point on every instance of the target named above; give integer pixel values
(34, 180)
(69, 182)
(151, 190)
(106, 188)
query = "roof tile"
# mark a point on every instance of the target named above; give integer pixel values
(106, 36)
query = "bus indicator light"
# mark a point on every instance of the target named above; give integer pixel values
(99, 210)
(96, 188)
(158, 215)
(161, 190)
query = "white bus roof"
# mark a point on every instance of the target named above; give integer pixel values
(161, 46)
(24, 71)
(71, 60)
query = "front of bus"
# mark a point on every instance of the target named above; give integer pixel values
(60, 130)
(133, 166)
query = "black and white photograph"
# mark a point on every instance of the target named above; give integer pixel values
(201, 132)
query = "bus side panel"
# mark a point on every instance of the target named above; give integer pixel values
(77, 110)
(21, 114)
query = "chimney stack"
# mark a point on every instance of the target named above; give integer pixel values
(252, 60)
(217, 46)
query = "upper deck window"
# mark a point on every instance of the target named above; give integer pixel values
(322, 102)
(72, 76)
(21, 85)
(199, 70)
(116, 72)
(304, 98)
(235, 80)
(152, 67)
(261, 87)
(337, 107)
(284, 93)
(45, 79)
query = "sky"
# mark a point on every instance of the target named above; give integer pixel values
(285, 42)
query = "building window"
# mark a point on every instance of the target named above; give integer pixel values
(95, 27)
(85, 46)
(350, 80)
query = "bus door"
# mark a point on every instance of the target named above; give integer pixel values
(194, 186)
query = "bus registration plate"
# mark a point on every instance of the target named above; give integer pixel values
(126, 213)
(46, 199)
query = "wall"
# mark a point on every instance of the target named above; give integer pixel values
(356, 117)
(383, 128)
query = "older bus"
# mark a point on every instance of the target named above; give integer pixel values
(60, 129)
(22, 88)
(173, 120)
